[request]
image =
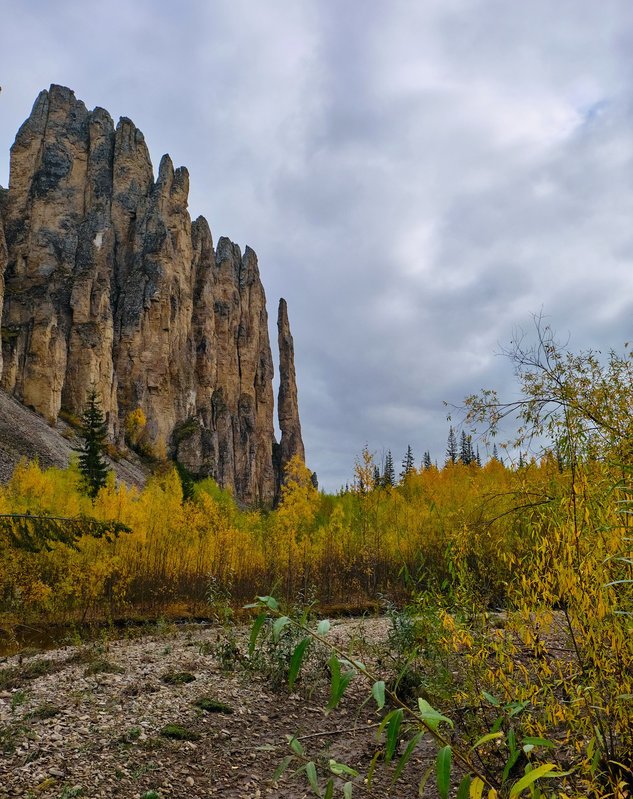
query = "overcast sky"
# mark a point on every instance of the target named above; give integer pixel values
(417, 177)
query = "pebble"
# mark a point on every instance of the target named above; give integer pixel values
(56, 772)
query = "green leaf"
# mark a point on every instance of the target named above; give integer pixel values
(269, 601)
(406, 756)
(278, 626)
(393, 734)
(329, 789)
(295, 662)
(312, 777)
(464, 787)
(347, 790)
(492, 699)
(257, 626)
(515, 708)
(430, 716)
(324, 627)
(539, 742)
(295, 744)
(378, 692)
(498, 723)
(335, 675)
(443, 765)
(424, 780)
(282, 767)
(372, 767)
(529, 778)
(514, 756)
(338, 682)
(340, 768)
(491, 736)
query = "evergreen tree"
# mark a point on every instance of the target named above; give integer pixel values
(451, 447)
(426, 462)
(94, 432)
(466, 455)
(478, 457)
(408, 463)
(495, 453)
(376, 476)
(389, 474)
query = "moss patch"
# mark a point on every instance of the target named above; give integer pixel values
(177, 678)
(179, 733)
(212, 705)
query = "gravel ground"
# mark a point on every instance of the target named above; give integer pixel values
(80, 730)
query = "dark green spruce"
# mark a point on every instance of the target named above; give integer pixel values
(94, 432)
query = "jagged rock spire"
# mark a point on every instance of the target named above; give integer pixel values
(291, 443)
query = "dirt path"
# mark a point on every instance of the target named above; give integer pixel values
(88, 721)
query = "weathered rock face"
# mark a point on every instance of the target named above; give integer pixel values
(288, 406)
(3, 263)
(109, 283)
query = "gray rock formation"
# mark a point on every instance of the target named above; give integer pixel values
(287, 404)
(109, 283)
(3, 262)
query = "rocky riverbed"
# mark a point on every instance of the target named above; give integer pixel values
(126, 718)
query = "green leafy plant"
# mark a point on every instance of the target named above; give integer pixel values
(401, 724)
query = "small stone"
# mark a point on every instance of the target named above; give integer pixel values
(190, 781)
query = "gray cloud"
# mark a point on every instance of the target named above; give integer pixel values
(416, 178)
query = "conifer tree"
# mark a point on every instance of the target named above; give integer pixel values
(426, 462)
(451, 447)
(495, 453)
(408, 463)
(466, 455)
(94, 432)
(389, 474)
(478, 457)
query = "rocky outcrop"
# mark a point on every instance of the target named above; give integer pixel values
(3, 262)
(291, 443)
(110, 284)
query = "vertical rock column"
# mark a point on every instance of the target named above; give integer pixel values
(45, 207)
(291, 443)
(3, 266)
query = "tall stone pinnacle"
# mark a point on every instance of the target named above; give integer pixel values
(291, 443)
(3, 266)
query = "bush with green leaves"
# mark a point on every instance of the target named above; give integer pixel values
(402, 728)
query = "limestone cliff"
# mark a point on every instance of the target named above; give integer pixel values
(109, 283)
